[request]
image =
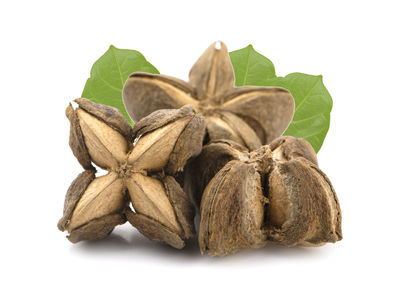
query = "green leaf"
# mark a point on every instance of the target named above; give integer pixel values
(109, 73)
(313, 102)
(313, 105)
(251, 68)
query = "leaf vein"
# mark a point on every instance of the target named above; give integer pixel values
(309, 118)
(306, 96)
(247, 68)
(118, 66)
(314, 134)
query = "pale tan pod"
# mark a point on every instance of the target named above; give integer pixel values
(252, 115)
(107, 147)
(152, 151)
(104, 196)
(74, 194)
(149, 197)
(165, 141)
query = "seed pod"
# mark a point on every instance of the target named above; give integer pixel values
(173, 136)
(303, 208)
(107, 147)
(279, 189)
(164, 142)
(214, 156)
(93, 207)
(162, 210)
(232, 211)
(166, 139)
(109, 115)
(251, 116)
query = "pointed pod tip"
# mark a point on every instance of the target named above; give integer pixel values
(80, 101)
(61, 225)
(69, 111)
(219, 45)
(83, 101)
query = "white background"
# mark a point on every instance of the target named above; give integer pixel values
(47, 50)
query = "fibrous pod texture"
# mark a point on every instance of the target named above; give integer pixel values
(276, 194)
(142, 165)
(248, 115)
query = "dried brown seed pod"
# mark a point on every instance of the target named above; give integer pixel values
(232, 210)
(303, 207)
(248, 115)
(142, 174)
(94, 206)
(213, 158)
(276, 193)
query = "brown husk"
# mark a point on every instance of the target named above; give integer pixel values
(142, 174)
(300, 206)
(251, 116)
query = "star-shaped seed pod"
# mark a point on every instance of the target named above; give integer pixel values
(274, 194)
(248, 115)
(143, 173)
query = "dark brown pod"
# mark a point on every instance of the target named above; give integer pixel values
(214, 156)
(232, 211)
(299, 204)
(76, 141)
(303, 207)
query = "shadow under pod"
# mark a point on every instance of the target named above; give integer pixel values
(126, 243)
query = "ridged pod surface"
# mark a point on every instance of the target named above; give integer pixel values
(275, 194)
(141, 172)
(248, 115)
